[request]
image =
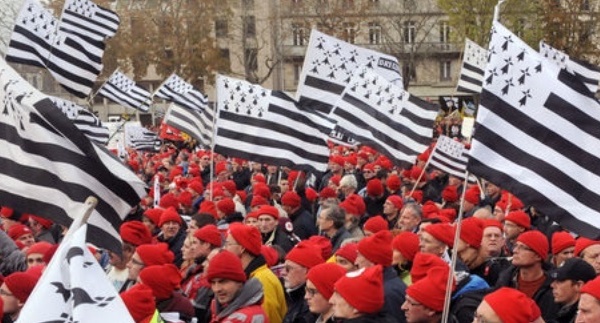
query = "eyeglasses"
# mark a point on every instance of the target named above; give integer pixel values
(412, 303)
(519, 246)
(137, 263)
(289, 268)
(311, 291)
(229, 243)
(35, 260)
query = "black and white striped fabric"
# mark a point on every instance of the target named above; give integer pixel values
(49, 168)
(70, 59)
(87, 19)
(588, 73)
(383, 116)
(140, 138)
(266, 126)
(182, 93)
(83, 119)
(471, 72)
(197, 124)
(537, 135)
(124, 91)
(450, 156)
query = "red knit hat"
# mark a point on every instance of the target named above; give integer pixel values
(493, 223)
(170, 214)
(519, 218)
(306, 254)
(211, 234)
(407, 243)
(509, 305)
(153, 215)
(208, 207)
(429, 208)
(229, 186)
(348, 251)
(135, 232)
(268, 210)
(396, 200)
(226, 205)
(262, 190)
(582, 243)
(247, 236)
(324, 276)
(20, 285)
(471, 231)
(536, 241)
(415, 172)
(44, 222)
(155, 254)
(139, 300)
(450, 194)
(260, 178)
(196, 186)
(162, 279)
(431, 290)
(258, 200)
(252, 214)
(168, 200)
(324, 245)
(270, 254)
(220, 167)
(185, 199)
(9, 213)
(377, 248)
(311, 194)
(592, 287)
(363, 289)
(472, 195)
(327, 192)
(337, 159)
(358, 202)
(18, 230)
(226, 265)
(393, 182)
(349, 208)
(291, 199)
(443, 232)
(449, 214)
(374, 187)
(417, 195)
(561, 241)
(376, 224)
(422, 263)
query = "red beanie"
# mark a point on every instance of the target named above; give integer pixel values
(472, 195)
(268, 210)
(536, 241)
(471, 231)
(258, 200)
(363, 289)
(209, 233)
(324, 245)
(428, 209)
(168, 200)
(393, 182)
(431, 290)
(592, 287)
(449, 214)
(306, 254)
(262, 190)
(271, 255)
(417, 195)
(220, 167)
(519, 218)
(135, 232)
(226, 205)
(311, 194)
(396, 200)
(508, 304)
(358, 202)
(252, 214)
(348, 251)
(260, 178)
(324, 276)
(493, 223)
(185, 199)
(443, 232)
(208, 207)
(139, 300)
(407, 243)
(291, 199)
(18, 230)
(155, 254)
(162, 279)
(153, 215)
(561, 241)
(349, 208)
(327, 192)
(450, 194)
(229, 186)
(169, 214)
(374, 187)
(44, 222)
(247, 236)
(415, 172)
(337, 159)
(582, 243)
(422, 263)
(196, 186)
(377, 248)
(21, 285)
(226, 265)
(376, 224)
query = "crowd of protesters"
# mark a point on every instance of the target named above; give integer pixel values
(234, 241)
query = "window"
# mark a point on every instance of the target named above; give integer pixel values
(221, 28)
(224, 53)
(250, 26)
(409, 72)
(349, 33)
(250, 57)
(297, 71)
(298, 34)
(410, 32)
(585, 5)
(444, 35)
(374, 33)
(445, 71)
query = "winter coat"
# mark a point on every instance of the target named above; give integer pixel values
(11, 258)
(274, 302)
(245, 308)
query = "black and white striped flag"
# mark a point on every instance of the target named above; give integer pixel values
(197, 124)
(140, 138)
(49, 168)
(70, 59)
(124, 91)
(182, 93)
(588, 73)
(383, 116)
(471, 72)
(83, 119)
(537, 134)
(266, 126)
(87, 19)
(450, 156)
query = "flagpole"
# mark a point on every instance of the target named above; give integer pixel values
(161, 84)
(101, 86)
(497, 10)
(212, 148)
(422, 171)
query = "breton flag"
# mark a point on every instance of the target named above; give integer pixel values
(266, 126)
(384, 116)
(124, 91)
(197, 124)
(71, 61)
(49, 168)
(450, 156)
(74, 288)
(86, 19)
(182, 93)
(538, 135)
(140, 138)
(83, 119)
(471, 72)
(588, 73)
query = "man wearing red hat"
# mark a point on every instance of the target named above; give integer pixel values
(272, 234)
(358, 296)
(169, 300)
(22, 234)
(15, 291)
(146, 255)
(493, 238)
(515, 223)
(172, 233)
(588, 250)
(10, 217)
(42, 229)
(563, 247)
(507, 305)
(133, 234)
(319, 289)
(336, 167)
(204, 240)
(391, 210)
(589, 302)
(410, 217)
(425, 298)
(303, 221)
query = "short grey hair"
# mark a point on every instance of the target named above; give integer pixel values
(349, 180)
(336, 214)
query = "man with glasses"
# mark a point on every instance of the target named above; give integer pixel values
(146, 255)
(319, 289)
(589, 302)
(14, 291)
(425, 299)
(528, 272)
(331, 221)
(515, 223)
(589, 250)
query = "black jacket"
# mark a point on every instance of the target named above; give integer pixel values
(297, 307)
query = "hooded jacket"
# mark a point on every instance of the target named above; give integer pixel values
(245, 308)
